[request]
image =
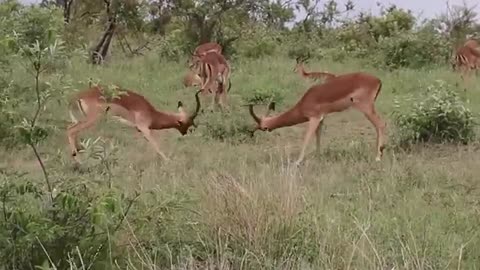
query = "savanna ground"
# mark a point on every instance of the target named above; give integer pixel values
(240, 203)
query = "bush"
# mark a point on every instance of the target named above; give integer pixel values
(263, 96)
(257, 43)
(411, 50)
(301, 46)
(77, 222)
(32, 24)
(227, 127)
(439, 117)
(8, 116)
(173, 46)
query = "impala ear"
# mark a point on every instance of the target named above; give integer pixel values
(180, 106)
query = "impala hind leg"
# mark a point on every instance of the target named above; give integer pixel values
(317, 134)
(371, 114)
(313, 124)
(221, 96)
(73, 131)
(147, 133)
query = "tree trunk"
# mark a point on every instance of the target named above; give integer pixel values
(66, 5)
(100, 52)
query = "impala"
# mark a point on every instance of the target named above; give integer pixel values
(131, 109)
(467, 58)
(358, 90)
(318, 75)
(214, 71)
(205, 48)
(472, 43)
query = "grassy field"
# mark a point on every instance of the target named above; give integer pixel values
(242, 204)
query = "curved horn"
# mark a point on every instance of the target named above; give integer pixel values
(252, 113)
(197, 109)
(229, 85)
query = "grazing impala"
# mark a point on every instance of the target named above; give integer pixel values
(358, 90)
(316, 75)
(130, 108)
(214, 71)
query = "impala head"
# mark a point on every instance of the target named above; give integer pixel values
(191, 78)
(261, 122)
(185, 120)
(194, 62)
(300, 61)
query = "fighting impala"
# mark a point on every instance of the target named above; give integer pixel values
(131, 109)
(358, 90)
(214, 72)
(315, 75)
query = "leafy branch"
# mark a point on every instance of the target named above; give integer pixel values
(39, 60)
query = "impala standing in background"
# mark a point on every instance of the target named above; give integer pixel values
(318, 75)
(202, 49)
(214, 72)
(205, 48)
(467, 58)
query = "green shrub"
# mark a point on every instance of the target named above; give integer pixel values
(300, 46)
(262, 96)
(173, 46)
(71, 222)
(227, 127)
(33, 24)
(9, 103)
(257, 43)
(411, 50)
(438, 116)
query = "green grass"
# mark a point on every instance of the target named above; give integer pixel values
(244, 205)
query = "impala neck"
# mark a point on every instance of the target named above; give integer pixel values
(162, 120)
(285, 119)
(302, 71)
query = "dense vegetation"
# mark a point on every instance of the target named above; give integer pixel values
(227, 200)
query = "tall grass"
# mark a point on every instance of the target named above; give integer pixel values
(243, 205)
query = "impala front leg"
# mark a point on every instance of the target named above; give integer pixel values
(313, 124)
(147, 133)
(319, 130)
